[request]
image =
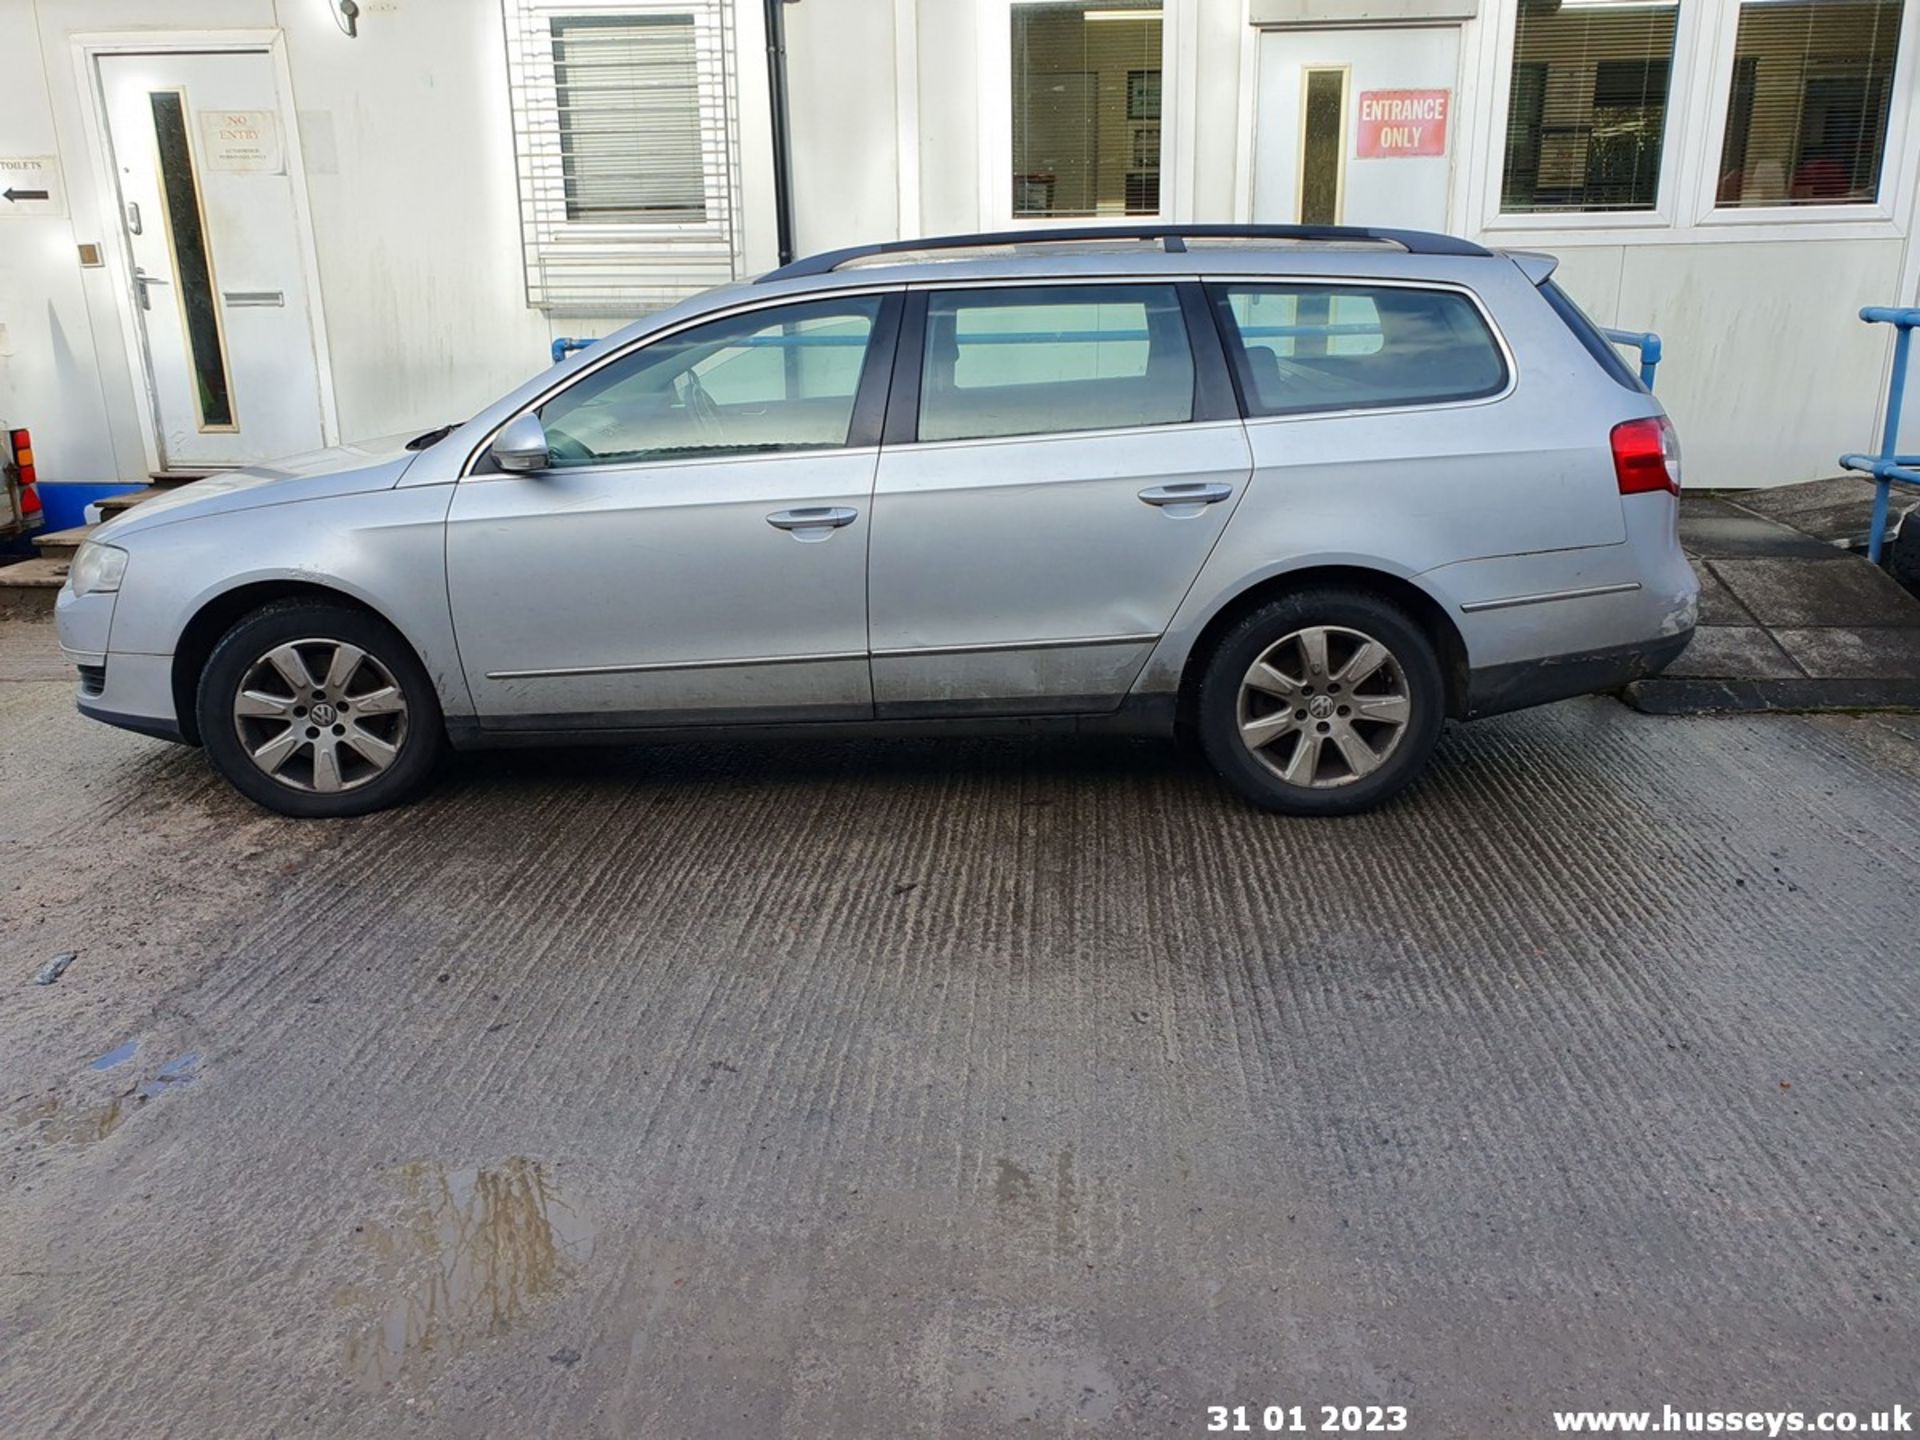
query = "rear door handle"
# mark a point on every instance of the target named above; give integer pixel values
(814, 522)
(1184, 500)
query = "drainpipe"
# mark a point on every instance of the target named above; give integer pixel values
(782, 142)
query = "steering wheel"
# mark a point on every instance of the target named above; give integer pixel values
(563, 448)
(702, 407)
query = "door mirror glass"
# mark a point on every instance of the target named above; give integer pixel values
(521, 447)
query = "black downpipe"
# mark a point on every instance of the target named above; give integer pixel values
(782, 141)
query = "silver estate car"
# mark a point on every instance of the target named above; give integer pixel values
(1299, 493)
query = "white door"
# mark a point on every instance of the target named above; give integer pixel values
(1355, 127)
(199, 159)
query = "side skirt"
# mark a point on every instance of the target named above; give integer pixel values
(1140, 716)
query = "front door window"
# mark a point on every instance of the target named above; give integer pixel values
(756, 384)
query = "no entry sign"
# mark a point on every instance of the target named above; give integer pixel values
(1396, 123)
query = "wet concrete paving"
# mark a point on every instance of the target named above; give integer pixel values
(965, 1089)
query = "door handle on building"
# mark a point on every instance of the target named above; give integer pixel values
(141, 280)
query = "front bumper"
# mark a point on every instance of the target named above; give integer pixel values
(1497, 689)
(132, 691)
(157, 727)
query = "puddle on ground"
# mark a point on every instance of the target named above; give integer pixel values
(117, 1056)
(181, 1070)
(60, 1121)
(475, 1252)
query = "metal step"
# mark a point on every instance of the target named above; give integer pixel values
(114, 504)
(28, 587)
(61, 544)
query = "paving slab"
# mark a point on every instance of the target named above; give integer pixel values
(1838, 590)
(1712, 530)
(1854, 652)
(1718, 605)
(1787, 621)
(1734, 651)
(1791, 502)
(1838, 509)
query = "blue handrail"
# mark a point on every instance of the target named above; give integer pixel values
(1888, 466)
(565, 344)
(1647, 343)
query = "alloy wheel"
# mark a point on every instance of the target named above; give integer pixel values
(1323, 707)
(320, 715)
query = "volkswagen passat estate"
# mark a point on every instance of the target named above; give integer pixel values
(1299, 493)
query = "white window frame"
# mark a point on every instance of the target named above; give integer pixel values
(1179, 51)
(1681, 85)
(658, 262)
(1684, 211)
(1896, 177)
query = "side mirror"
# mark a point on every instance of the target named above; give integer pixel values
(521, 447)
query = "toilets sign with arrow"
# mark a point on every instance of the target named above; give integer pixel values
(30, 185)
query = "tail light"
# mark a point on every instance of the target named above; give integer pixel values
(20, 442)
(1646, 456)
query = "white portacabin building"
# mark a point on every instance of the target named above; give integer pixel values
(256, 227)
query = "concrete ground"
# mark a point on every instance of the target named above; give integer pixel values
(968, 1089)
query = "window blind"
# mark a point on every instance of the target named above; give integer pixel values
(627, 145)
(1807, 112)
(1586, 109)
(627, 102)
(1086, 107)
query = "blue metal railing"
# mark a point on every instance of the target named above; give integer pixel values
(566, 344)
(1647, 343)
(1888, 467)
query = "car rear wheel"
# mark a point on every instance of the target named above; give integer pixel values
(1326, 702)
(319, 710)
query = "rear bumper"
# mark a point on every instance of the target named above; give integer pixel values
(1496, 689)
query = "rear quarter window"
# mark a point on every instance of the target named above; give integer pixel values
(1589, 334)
(1300, 348)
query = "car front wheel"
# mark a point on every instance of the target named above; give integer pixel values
(318, 710)
(1326, 702)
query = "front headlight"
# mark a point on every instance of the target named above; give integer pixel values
(96, 568)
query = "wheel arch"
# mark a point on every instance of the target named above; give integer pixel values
(221, 613)
(1427, 611)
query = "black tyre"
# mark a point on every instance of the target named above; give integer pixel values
(319, 710)
(1903, 554)
(1326, 702)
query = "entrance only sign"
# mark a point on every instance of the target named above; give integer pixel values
(1397, 123)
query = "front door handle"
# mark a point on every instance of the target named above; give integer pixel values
(141, 280)
(814, 522)
(1185, 500)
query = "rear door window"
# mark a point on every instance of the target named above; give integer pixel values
(1041, 359)
(1300, 348)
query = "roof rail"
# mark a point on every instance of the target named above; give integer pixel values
(1417, 242)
